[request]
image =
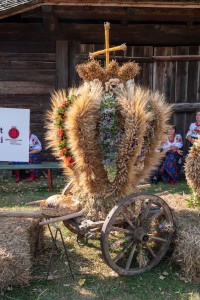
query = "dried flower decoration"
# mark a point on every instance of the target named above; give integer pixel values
(112, 70)
(128, 71)
(90, 71)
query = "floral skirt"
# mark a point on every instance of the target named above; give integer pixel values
(171, 167)
(33, 159)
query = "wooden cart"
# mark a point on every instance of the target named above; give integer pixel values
(135, 235)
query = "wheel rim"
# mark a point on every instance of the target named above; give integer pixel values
(136, 234)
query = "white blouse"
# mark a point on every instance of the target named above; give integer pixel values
(194, 130)
(34, 143)
(177, 142)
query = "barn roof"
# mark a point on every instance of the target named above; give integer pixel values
(13, 7)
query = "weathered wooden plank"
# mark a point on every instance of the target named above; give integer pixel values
(62, 218)
(119, 13)
(168, 80)
(9, 214)
(74, 49)
(27, 47)
(119, 3)
(146, 59)
(191, 57)
(192, 76)
(37, 75)
(40, 100)
(138, 51)
(139, 34)
(50, 57)
(25, 87)
(27, 65)
(120, 59)
(181, 76)
(186, 107)
(158, 71)
(147, 68)
(62, 65)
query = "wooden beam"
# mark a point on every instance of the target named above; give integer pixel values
(177, 58)
(147, 59)
(126, 3)
(135, 34)
(119, 13)
(11, 214)
(62, 218)
(186, 107)
(49, 18)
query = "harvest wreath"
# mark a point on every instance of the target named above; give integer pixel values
(109, 132)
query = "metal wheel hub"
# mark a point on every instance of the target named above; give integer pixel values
(140, 235)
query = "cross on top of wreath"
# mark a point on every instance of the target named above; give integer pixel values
(92, 69)
(108, 49)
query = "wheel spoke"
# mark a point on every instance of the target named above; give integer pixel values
(128, 263)
(127, 220)
(157, 238)
(151, 250)
(120, 254)
(127, 238)
(146, 211)
(156, 215)
(121, 229)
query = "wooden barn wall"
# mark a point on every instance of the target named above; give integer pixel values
(27, 76)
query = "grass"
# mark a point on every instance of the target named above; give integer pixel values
(93, 278)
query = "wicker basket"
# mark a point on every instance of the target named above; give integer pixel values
(62, 207)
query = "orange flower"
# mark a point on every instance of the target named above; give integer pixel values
(63, 105)
(69, 161)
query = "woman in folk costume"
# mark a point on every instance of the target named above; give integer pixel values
(34, 158)
(171, 166)
(194, 130)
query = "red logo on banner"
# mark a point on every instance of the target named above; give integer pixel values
(13, 132)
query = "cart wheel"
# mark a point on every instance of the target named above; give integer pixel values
(136, 234)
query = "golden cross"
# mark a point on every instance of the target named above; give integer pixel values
(107, 50)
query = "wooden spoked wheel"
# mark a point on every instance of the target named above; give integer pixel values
(136, 234)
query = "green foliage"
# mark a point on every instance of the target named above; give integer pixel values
(193, 201)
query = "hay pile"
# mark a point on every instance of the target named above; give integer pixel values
(187, 240)
(192, 167)
(18, 238)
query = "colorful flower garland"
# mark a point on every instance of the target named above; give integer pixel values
(109, 134)
(60, 119)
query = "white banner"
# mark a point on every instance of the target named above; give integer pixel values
(14, 134)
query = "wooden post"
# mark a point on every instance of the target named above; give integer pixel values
(50, 180)
(62, 65)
